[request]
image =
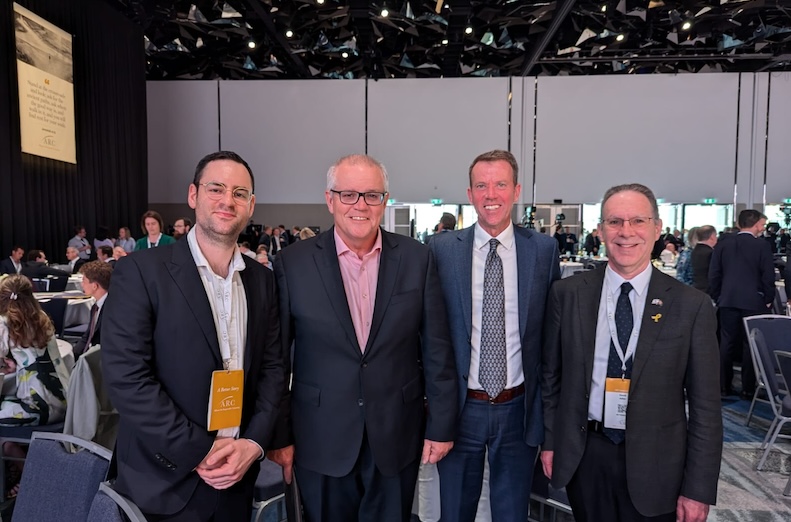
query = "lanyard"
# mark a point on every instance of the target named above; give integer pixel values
(159, 238)
(632, 345)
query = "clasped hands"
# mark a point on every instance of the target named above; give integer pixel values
(227, 462)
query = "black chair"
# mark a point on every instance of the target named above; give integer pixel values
(40, 284)
(784, 363)
(775, 329)
(55, 308)
(57, 283)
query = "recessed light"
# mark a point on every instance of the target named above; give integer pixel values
(289, 33)
(385, 13)
(251, 44)
(686, 26)
(344, 54)
(445, 41)
(604, 8)
(620, 37)
(468, 30)
(319, 2)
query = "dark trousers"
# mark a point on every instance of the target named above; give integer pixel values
(207, 504)
(501, 428)
(733, 341)
(598, 491)
(364, 495)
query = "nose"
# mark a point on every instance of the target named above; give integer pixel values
(361, 204)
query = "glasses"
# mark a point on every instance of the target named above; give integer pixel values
(217, 190)
(635, 222)
(350, 197)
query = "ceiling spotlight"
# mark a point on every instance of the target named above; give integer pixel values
(686, 26)
(444, 41)
(251, 44)
(620, 38)
(289, 33)
(319, 2)
(385, 13)
(468, 29)
(604, 8)
(344, 54)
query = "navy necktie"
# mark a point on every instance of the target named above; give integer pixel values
(624, 323)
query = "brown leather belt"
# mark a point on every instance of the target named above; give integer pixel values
(505, 395)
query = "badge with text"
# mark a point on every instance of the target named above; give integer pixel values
(616, 398)
(225, 399)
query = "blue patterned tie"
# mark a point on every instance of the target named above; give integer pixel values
(624, 322)
(493, 370)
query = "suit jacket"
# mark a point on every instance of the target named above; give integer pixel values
(84, 343)
(340, 391)
(742, 274)
(39, 269)
(159, 350)
(537, 268)
(666, 454)
(77, 265)
(7, 266)
(592, 244)
(701, 260)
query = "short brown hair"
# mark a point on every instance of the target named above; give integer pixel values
(151, 214)
(98, 272)
(497, 155)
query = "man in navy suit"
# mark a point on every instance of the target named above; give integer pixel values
(501, 409)
(364, 310)
(175, 317)
(742, 283)
(13, 263)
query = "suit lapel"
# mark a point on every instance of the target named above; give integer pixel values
(659, 291)
(185, 274)
(389, 264)
(589, 297)
(526, 262)
(326, 259)
(463, 264)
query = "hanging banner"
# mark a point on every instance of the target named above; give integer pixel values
(46, 87)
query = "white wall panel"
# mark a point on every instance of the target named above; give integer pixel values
(291, 131)
(428, 131)
(676, 134)
(183, 127)
(778, 176)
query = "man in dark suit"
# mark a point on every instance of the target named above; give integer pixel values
(73, 256)
(178, 317)
(497, 344)
(13, 264)
(593, 243)
(617, 433)
(701, 256)
(365, 312)
(95, 283)
(742, 283)
(37, 267)
(266, 239)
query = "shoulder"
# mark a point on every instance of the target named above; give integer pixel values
(167, 240)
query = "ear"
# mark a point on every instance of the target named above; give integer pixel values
(192, 196)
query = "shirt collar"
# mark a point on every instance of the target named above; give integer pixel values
(100, 301)
(506, 237)
(639, 282)
(341, 247)
(236, 265)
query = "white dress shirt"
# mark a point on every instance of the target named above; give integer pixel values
(612, 287)
(513, 344)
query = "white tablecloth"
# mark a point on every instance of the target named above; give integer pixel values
(78, 312)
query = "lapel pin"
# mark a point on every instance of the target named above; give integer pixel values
(656, 302)
(656, 317)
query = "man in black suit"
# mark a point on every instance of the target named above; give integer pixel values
(177, 318)
(365, 312)
(36, 266)
(105, 254)
(616, 386)
(73, 256)
(266, 239)
(701, 257)
(13, 264)
(742, 283)
(95, 283)
(593, 243)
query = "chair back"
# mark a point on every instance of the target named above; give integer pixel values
(110, 506)
(40, 284)
(57, 283)
(776, 330)
(764, 359)
(784, 363)
(56, 484)
(55, 308)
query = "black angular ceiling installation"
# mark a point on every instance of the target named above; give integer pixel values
(301, 39)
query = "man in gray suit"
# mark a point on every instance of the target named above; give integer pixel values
(495, 278)
(628, 335)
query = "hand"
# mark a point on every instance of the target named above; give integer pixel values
(433, 451)
(688, 510)
(226, 466)
(546, 462)
(284, 457)
(219, 443)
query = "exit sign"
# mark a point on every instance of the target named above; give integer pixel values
(436, 202)
(787, 200)
(709, 201)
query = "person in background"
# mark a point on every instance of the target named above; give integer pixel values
(80, 243)
(102, 238)
(684, 261)
(306, 233)
(295, 233)
(447, 222)
(73, 256)
(152, 226)
(593, 243)
(783, 240)
(285, 236)
(13, 263)
(125, 240)
(244, 248)
(181, 228)
(36, 266)
(701, 256)
(105, 255)
(669, 254)
(95, 283)
(118, 253)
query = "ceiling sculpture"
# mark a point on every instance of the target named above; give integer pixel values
(239, 39)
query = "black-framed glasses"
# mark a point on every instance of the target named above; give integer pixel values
(216, 190)
(351, 197)
(636, 222)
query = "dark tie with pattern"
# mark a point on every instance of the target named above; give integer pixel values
(493, 371)
(624, 322)
(92, 326)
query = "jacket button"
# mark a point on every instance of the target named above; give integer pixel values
(582, 429)
(365, 365)
(359, 402)
(587, 396)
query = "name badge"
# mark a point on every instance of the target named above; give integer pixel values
(616, 398)
(225, 399)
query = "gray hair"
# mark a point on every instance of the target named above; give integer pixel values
(632, 187)
(357, 159)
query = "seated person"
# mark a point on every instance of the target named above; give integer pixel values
(105, 255)
(668, 255)
(244, 248)
(73, 255)
(118, 253)
(36, 266)
(95, 283)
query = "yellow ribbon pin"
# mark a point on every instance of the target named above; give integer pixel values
(656, 317)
